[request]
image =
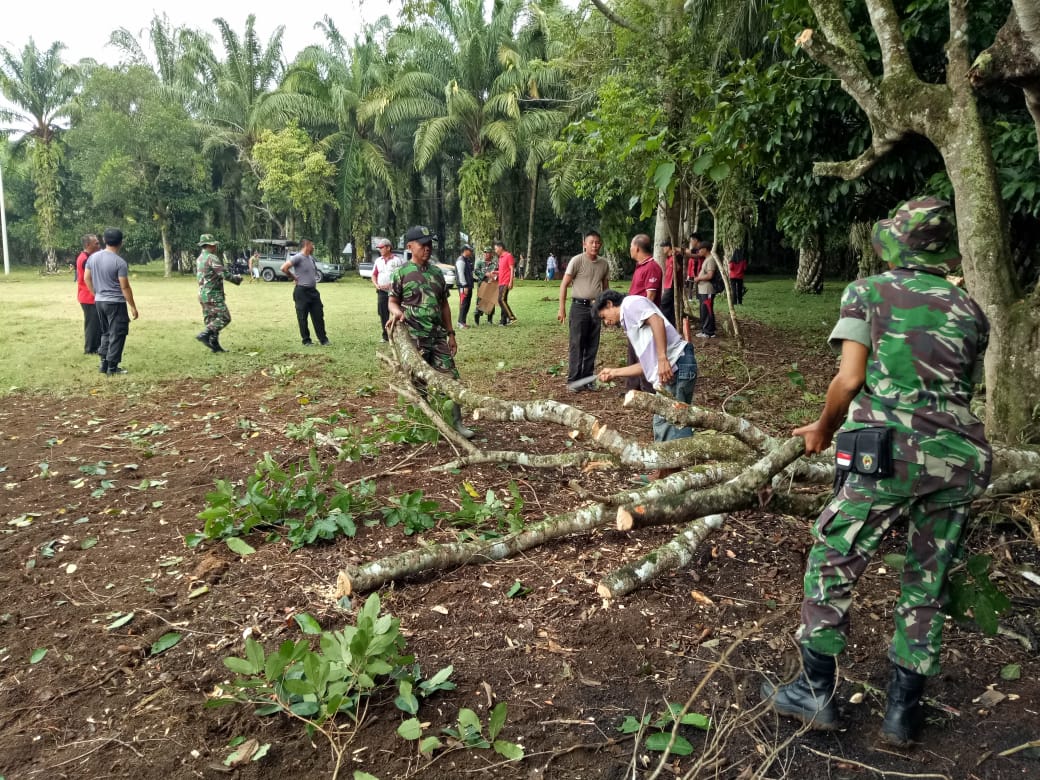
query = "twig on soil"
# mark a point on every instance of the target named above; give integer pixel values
(104, 741)
(882, 772)
(1024, 746)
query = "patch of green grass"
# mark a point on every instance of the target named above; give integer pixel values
(43, 334)
(772, 301)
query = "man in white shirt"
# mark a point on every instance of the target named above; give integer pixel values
(381, 273)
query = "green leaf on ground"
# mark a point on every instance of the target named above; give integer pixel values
(239, 546)
(37, 655)
(307, 624)
(659, 742)
(1011, 672)
(120, 621)
(410, 729)
(165, 642)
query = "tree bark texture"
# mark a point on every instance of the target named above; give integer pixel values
(899, 103)
(810, 266)
(676, 554)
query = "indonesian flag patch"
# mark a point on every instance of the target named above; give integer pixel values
(843, 459)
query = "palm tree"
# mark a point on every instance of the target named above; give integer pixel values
(339, 78)
(462, 85)
(237, 98)
(41, 87)
(170, 55)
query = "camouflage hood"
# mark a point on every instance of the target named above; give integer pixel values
(922, 234)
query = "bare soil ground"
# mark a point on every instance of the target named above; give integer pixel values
(77, 554)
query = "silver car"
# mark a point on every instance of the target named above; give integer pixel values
(365, 269)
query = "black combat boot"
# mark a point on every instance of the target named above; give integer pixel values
(214, 343)
(457, 424)
(904, 714)
(810, 696)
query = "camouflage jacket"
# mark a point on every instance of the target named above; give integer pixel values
(211, 273)
(484, 268)
(420, 293)
(926, 340)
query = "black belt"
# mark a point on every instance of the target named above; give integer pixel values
(582, 301)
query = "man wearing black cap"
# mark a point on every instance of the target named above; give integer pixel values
(107, 278)
(419, 299)
(304, 271)
(464, 281)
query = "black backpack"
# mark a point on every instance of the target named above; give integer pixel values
(717, 285)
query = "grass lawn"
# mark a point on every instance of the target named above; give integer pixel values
(43, 332)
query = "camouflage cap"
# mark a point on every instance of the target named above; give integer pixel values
(207, 239)
(921, 233)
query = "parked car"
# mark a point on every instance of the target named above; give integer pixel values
(365, 269)
(275, 251)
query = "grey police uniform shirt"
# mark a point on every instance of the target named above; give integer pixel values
(305, 269)
(105, 270)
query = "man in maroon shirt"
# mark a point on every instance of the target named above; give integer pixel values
(646, 281)
(506, 267)
(91, 323)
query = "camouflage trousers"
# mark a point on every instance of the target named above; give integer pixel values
(435, 352)
(847, 535)
(216, 315)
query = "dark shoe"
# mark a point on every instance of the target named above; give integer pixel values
(116, 370)
(325, 343)
(904, 714)
(456, 421)
(214, 343)
(207, 338)
(103, 369)
(810, 696)
(308, 343)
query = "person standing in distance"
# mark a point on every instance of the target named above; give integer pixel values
(419, 300)
(382, 271)
(550, 267)
(590, 276)
(646, 281)
(211, 273)
(506, 271)
(464, 281)
(910, 450)
(667, 289)
(91, 324)
(304, 272)
(108, 278)
(485, 280)
(706, 292)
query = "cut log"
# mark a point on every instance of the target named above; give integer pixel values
(682, 414)
(674, 555)
(737, 493)
(435, 557)
(587, 461)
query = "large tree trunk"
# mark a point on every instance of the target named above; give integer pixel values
(167, 248)
(530, 223)
(898, 104)
(810, 266)
(1014, 57)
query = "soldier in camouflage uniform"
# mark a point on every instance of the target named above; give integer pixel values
(419, 299)
(485, 269)
(912, 346)
(211, 273)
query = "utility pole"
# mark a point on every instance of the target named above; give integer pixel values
(3, 226)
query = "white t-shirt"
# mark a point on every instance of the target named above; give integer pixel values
(635, 311)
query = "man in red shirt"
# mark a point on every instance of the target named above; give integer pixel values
(646, 281)
(91, 323)
(667, 292)
(506, 265)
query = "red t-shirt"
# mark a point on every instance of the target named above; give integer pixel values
(82, 293)
(505, 269)
(647, 276)
(737, 269)
(669, 269)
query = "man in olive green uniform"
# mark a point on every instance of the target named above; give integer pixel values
(211, 273)
(910, 449)
(419, 300)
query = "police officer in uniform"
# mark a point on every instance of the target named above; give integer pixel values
(909, 451)
(211, 273)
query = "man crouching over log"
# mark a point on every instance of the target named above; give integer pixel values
(911, 350)
(667, 362)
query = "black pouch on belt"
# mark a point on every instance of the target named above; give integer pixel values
(863, 451)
